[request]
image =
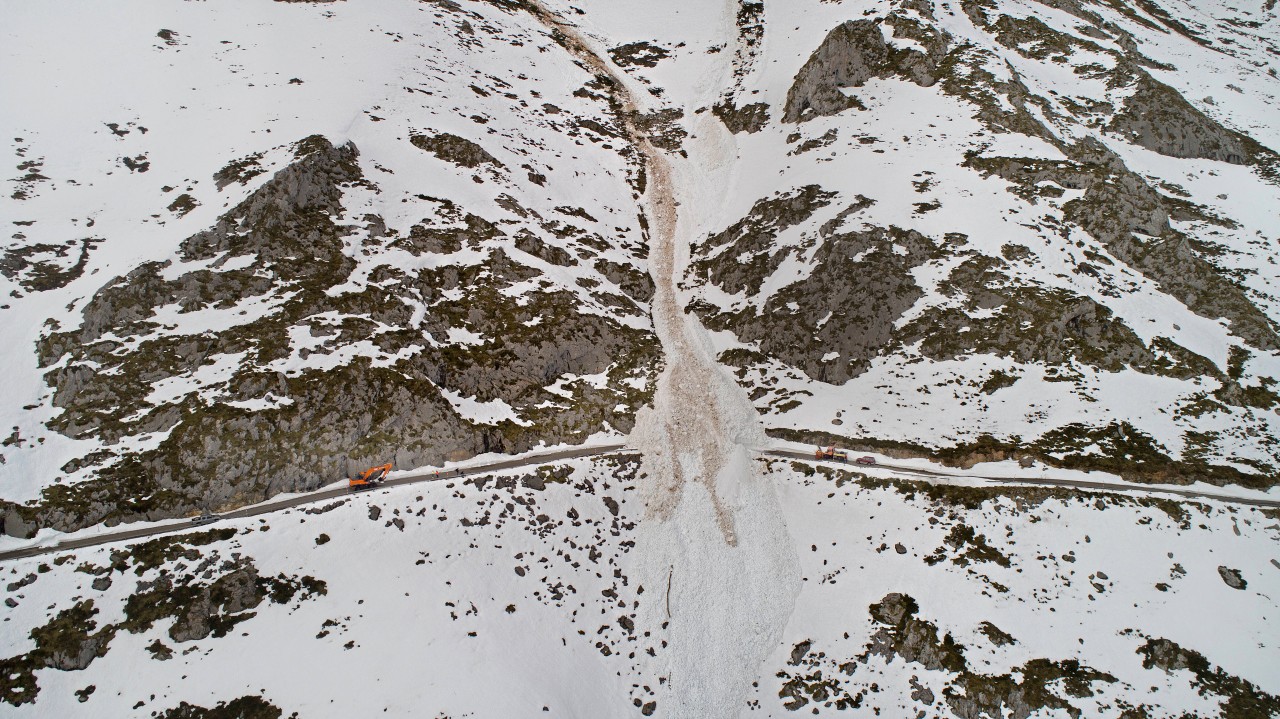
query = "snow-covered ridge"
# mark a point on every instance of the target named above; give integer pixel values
(1008, 230)
(321, 304)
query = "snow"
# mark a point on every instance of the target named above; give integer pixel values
(724, 562)
(490, 412)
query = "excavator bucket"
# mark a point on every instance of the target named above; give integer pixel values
(369, 478)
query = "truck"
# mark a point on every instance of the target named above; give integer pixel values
(831, 453)
(206, 517)
(369, 478)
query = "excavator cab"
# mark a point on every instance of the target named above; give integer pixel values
(369, 478)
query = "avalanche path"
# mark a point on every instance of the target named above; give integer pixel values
(713, 551)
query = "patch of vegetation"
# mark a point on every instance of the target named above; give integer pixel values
(246, 707)
(1118, 448)
(969, 546)
(1031, 38)
(42, 267)
(156, 552)
(241, 170)
(747, 118)
(1243, 699)
(457, 150)
(640, 54)
(183, 204)
(67, 642)
(998, 380)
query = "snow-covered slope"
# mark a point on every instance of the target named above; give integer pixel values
(302, 238)
(258, 246)
(1004, 230)
(516, 596)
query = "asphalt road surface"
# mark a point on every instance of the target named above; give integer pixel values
(309, 498)
(1041, 481)
(531, 460)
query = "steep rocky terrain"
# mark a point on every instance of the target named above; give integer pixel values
(997, 245)
(401, 294)
(977, 230)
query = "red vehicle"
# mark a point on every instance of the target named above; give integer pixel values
(369, 478)
(865, 460)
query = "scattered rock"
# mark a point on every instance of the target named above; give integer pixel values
(1232, 578)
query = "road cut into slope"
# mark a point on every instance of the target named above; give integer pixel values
(713, 550)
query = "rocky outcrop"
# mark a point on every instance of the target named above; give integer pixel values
(1231, 577)
(833, 322)
(1068, 327)
(748, 118)
(744, 254)
(1239, 697)
(899, 633)
(1158, 118)
(1125, 213)
(851, 54)
(458, 150)
(246, 707)
(265, 430)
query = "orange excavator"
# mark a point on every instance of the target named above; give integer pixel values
(369, 478)
(831, 453)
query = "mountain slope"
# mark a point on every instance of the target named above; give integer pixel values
(1029, 235)
(1008, 230)
(427, 283)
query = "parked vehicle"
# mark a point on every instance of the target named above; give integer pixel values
(369, 478)
(206, 517)
(868, 459)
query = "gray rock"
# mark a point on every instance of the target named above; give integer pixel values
(748, 118)
(222, 456)
(231, 594)
(455, 149)
(851, 54)
(25, 581)
(374, 512)
(1232, 578)
(101, 583)
(1158, 118)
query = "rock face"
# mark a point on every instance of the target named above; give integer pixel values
(832, 323)
(851, 54)
(1158, 118)
(455, 149)
(749, 118)
(279, 416)
(212, 609)
(742, 255)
